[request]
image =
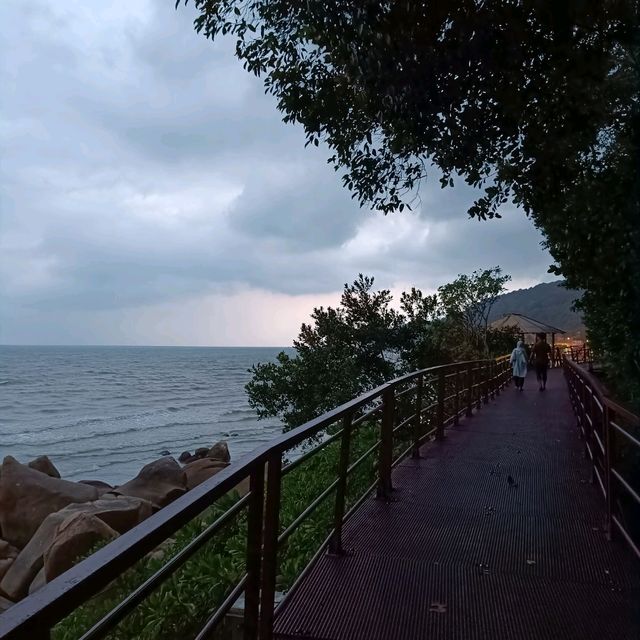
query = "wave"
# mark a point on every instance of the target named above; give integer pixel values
(108, 434)
(239, 411)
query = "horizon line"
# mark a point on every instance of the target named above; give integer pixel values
(155, 346)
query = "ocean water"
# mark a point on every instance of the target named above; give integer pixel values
(101, 413)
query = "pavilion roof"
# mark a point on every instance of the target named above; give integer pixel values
(524, 324)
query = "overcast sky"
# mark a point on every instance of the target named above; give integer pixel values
(152, 195)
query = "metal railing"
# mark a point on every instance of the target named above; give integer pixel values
(403, 413)
(611, 438)
(581, 355)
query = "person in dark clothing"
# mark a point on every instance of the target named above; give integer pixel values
(540, 357)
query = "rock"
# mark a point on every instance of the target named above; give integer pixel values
(5, 604)
(118, 512)
(201, 452)
(201, 470)
(5, 565)
(29, 561)
(38, 582)
(159, 482)
(165, 452)
(219, 451)
(43, 464)
(28, 496)
(243, 487)
(102, 487)
(76, 536)
(184, 456)
(8, 554)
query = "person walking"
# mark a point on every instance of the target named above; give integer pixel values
(519, 365)
(540, 355)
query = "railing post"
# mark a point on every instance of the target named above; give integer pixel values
(335, 544)
(492, 393)
(485, 385)
(609, 445)
(270, 546)
(254, 547)
(386, 443)
(477, 375)
(497, 378)
(456, 406)
(590, 422)
(417, 424)
(440, 410)
(469, 412)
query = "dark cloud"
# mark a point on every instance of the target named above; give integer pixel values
(142, 166)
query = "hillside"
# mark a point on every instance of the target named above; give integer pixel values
(548, 302)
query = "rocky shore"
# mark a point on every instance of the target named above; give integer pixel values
(48, 523)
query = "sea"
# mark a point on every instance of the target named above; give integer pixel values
(101, 413)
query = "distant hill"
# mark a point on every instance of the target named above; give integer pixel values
(548, 302)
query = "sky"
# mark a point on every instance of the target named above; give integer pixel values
(150, 193)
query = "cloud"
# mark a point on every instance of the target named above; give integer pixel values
(147, 181)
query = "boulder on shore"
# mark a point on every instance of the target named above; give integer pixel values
(30, 560)
(74, 538)
(5, 604)
(38, 582)
(185, 456)
(219, 451)
(160, 482)
(43, 464)
(198, 471)
(118, 513)
(28, 496)
(102, 487)
(8, 554)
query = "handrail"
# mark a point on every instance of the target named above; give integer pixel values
(581, 355)
(452, 389)
(606, 427)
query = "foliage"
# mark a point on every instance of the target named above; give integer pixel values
(345, 351)
(183, 602)
(502, 341)
(469, 299)
(534, 102)
(365, 342)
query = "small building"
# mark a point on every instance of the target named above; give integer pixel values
(527, 327)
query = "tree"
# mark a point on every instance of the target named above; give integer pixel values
(534, 102)
(344, 352)
(469, 299)
(365, 342)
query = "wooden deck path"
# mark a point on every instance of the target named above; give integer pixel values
(461, 554)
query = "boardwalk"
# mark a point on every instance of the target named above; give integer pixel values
(463, 555)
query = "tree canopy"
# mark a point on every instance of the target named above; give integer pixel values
(533, 102)
(365, 341)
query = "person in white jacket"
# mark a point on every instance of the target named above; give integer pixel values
(519, 365)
